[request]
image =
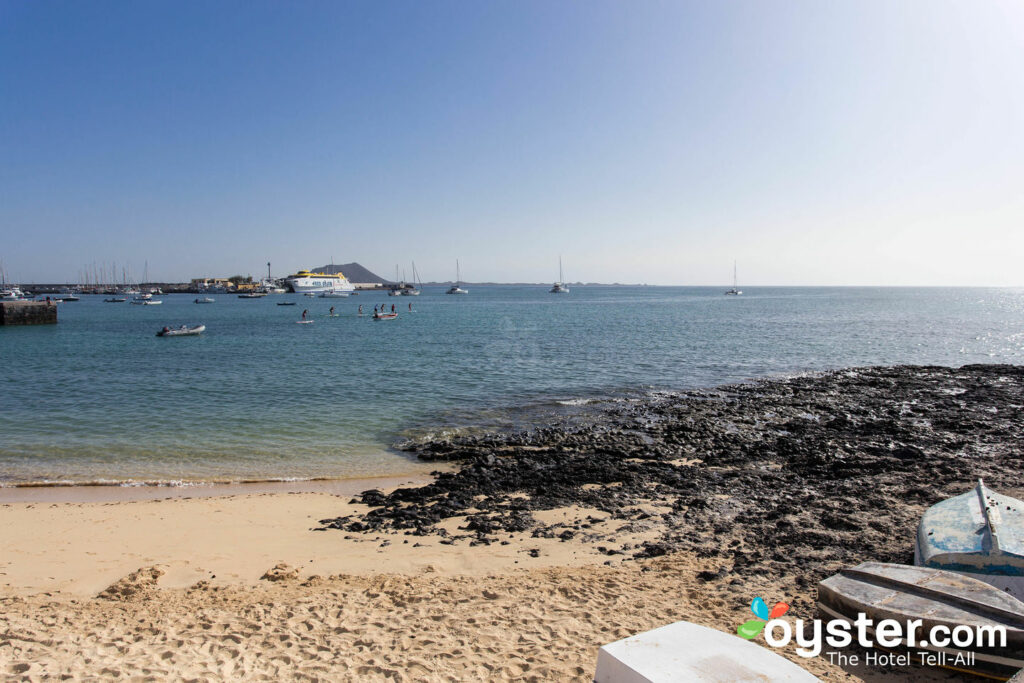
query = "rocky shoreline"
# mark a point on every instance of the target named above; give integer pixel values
(792, 476)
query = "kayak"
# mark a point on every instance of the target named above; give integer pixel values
(183, 331)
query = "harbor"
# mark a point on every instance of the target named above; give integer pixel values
(584, 342)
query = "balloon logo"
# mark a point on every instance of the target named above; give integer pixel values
(749, 629)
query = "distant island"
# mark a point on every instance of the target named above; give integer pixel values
(356, 272)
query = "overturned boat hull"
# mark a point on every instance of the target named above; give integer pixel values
(941, 602)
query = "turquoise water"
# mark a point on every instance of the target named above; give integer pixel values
(99, 397)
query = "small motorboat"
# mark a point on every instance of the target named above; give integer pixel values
(938, 599)
(687, 652)
(115, 300)
(183, 331)
(979, 533)
(146, 302)
(385, 316)
(203, 300)
(252, 295)
(285, 303)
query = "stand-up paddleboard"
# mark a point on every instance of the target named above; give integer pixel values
(687, 652)
(304, 322)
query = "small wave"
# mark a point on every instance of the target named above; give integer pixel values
(157, 483)
(577, 401)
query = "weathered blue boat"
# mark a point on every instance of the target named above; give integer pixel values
(980, 533)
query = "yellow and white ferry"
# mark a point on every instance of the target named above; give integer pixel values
(305, 281)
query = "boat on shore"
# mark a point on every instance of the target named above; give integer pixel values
(980, 534)
(689, 652)
(937, 600)
(183, 331)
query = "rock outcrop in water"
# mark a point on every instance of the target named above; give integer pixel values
(791, 475)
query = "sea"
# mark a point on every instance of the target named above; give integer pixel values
(99, 398)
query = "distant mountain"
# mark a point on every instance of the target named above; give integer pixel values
(353, 271)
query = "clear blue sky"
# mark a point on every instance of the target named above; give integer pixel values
(815, 142)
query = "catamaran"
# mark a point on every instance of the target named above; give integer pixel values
(558, 287)
(735, 290)
(455, 289)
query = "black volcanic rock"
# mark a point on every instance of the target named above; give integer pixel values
(795, 476)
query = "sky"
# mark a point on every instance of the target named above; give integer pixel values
(868, 142)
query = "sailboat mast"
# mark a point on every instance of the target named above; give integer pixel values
(734, 274)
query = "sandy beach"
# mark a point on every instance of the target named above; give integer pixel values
(504, 567)
(241, 587)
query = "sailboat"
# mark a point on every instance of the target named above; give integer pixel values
(735, 290)
(413, 291)
(396, 290)
(558, 287)
(455, 289)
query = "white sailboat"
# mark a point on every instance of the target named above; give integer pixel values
(455, 289)
(413, 291)
(559, 287)
(397, 290)
(735, 290)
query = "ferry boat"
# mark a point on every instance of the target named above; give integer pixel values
(306, 282)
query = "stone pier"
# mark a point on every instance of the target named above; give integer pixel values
(28, 313)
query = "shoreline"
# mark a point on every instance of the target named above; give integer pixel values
(101, 493)
(534, 549)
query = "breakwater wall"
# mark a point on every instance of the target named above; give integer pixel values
(28, 313)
